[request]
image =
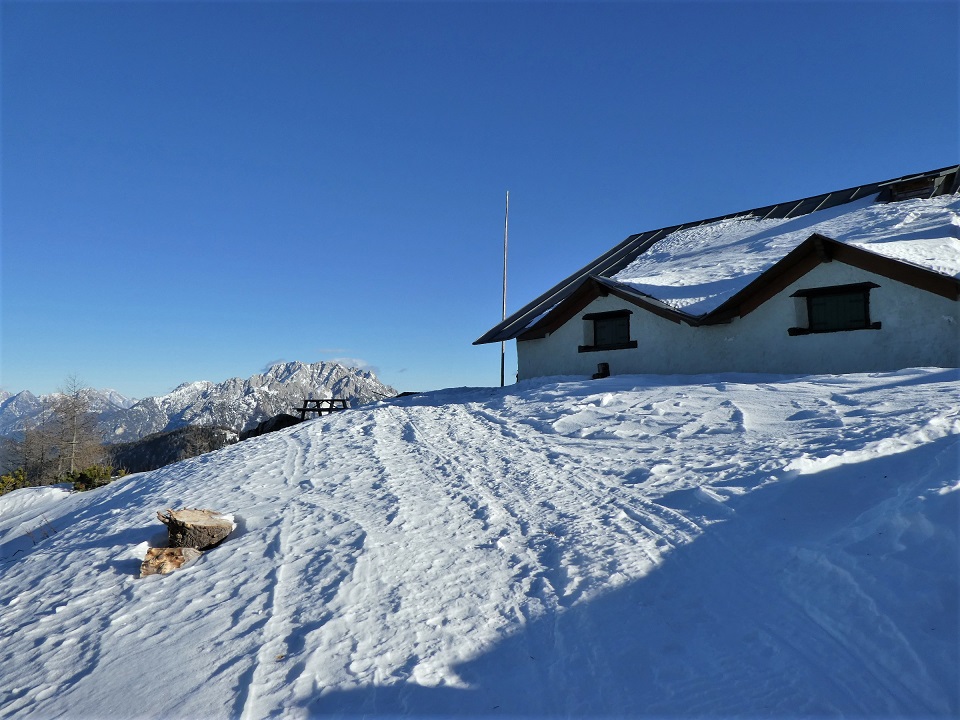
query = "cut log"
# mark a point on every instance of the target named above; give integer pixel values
(160, 561)
(200, 529)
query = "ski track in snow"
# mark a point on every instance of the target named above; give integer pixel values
(725, 546)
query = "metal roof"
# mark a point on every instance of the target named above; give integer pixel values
(926, 184)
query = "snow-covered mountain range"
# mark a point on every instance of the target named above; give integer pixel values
(637, 546)
(17, 410)
(240, 404)
(236, 403)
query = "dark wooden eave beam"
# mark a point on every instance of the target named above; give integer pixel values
(823, 252)
(587, 292)
(670, 314)
(811, 253)
(903, 272)
(576, 301)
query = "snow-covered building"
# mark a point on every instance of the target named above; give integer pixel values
(857, 280)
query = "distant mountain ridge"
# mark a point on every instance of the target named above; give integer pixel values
(236, 403)
(19, 409)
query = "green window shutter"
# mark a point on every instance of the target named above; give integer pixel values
(611, 331)
(846, 311)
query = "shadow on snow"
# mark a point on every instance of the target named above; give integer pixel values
(832, 593)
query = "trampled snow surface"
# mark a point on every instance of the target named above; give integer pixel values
(697, 268)
(638, 545)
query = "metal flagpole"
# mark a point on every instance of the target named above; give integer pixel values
(506, 224)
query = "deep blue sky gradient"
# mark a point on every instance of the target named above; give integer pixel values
(194, 190)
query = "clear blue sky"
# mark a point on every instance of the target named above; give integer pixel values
(194, 190)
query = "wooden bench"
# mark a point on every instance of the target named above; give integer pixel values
(321, 406)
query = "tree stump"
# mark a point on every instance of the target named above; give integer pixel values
(193, 528)
(160, 561)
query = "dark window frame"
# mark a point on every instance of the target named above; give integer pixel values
(610, 315)
(810, 294)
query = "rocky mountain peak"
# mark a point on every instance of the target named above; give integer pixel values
(237, 403)
(240, 403)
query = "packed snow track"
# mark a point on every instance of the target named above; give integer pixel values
(715, 545)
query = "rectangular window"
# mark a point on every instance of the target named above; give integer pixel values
(611, 330)
(843, 311)
(607, 331)
(837, 308)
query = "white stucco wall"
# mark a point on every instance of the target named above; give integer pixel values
(918, 329)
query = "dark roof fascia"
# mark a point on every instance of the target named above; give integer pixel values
(583, 295)
(904, 272)
(588, 291)
(627, 251)
(790, 268)
(610, 263)
(813, 251)
(818, 249)
(517, 323)
(647, 302)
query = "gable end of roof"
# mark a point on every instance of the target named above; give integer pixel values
(818, 249)
(588, 291)
(815, 250)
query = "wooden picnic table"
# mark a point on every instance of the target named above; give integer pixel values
(321, 406)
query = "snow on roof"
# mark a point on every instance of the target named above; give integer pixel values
(696, 269)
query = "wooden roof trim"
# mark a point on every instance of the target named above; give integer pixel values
(514, 326)
(666, 313)
(903, 272)
(813, 251)
(764, 287)
(818, 249)
(588, 291)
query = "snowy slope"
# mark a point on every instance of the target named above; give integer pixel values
(697, 268)
(638, 545)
